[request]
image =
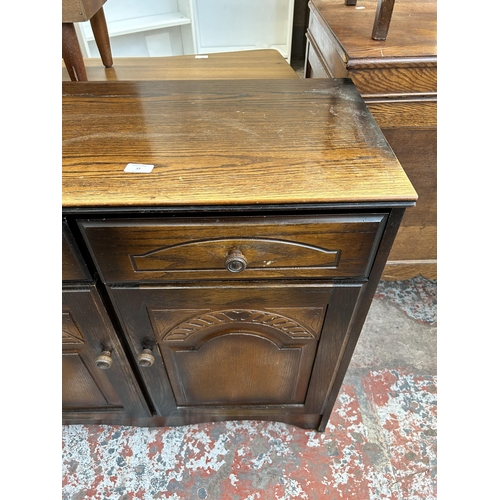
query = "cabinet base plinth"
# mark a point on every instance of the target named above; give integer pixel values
(302, 421)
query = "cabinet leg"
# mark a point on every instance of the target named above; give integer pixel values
(72, 54)
(100, 30)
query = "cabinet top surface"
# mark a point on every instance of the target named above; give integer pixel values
(238, 142)
(412, 31)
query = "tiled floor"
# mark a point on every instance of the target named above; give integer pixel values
(380, 442)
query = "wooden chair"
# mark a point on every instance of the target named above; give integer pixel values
(382, 18)
(74, 11)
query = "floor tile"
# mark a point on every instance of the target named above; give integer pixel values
(406, 407)
(253, 460)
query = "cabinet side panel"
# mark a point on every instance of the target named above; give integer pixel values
(361, 310)
(340, 310)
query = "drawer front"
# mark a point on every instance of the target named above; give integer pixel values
(327, 47)
(371, 75)
(73, 265)
(420, 114)
(156, 250)
(315, 67)
(375, 79)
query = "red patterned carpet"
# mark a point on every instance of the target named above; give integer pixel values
(380, 442)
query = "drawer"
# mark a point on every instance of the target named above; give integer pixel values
(326, 48)
(315, 67)
(73, 265)
(163, 249)
(340, 54)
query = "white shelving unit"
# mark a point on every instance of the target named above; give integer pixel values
(232, 25)
(141, 28)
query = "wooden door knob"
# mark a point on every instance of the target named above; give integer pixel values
(235, 261)
(104, 360)
(146, 358)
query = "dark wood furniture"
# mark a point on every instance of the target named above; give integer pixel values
(237, 274)
(75, 11)
(383, 16)
(398, 81)
(98, 381)
(300, 18)
(241, 65)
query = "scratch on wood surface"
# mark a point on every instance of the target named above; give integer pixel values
(113, 135)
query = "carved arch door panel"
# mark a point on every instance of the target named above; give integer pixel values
(237, 345)
(240, 356)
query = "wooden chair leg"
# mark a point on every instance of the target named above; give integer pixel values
(100, 30)
(72, 54)
(382, 19)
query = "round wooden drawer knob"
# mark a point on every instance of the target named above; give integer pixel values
(146, 358)
(104, 360)
(235, 262)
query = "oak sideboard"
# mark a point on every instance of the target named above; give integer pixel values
(222, 242)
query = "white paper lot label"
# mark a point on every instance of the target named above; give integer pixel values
(139, 168)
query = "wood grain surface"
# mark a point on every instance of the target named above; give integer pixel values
(406, 63)
(74, 11)
(86, 332)
(248, 64)
(73, 264)
(412, 33)
(224, 142)
(398, 81)
(152, 312)
(159, 250)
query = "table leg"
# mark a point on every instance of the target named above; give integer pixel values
(72, 54)
(100, 30)
(382, 19)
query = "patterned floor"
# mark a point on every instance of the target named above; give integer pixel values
(380, 442)
(417, 297)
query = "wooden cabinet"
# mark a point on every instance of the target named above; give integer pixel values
(398, 81)
(240, 299)
(248, 351)
(98, 382)
(225, 317)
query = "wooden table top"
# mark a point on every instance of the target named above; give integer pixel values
(224, 142)
(412, 32)
(248, 64)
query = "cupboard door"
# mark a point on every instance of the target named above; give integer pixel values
(97, 380)
(236, 346)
